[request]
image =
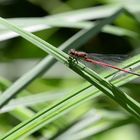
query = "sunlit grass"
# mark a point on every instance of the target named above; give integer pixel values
(97, 86)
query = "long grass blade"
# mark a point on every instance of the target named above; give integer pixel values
(49, 114)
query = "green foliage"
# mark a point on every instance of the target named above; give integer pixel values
(61, 108)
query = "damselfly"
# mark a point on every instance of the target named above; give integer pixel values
(87, 57)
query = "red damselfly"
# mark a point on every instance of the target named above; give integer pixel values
(87, 57)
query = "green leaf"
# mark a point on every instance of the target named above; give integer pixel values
(49, 114)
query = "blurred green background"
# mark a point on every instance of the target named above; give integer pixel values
(18, 56)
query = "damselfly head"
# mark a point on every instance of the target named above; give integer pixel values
(71, 51)
(74, 53)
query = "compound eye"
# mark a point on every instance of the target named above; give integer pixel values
(85, 55)
(71, 52)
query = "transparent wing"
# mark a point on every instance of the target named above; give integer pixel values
(113, 59)
(108, 58)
